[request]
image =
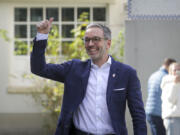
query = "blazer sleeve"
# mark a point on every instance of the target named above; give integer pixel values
(135, 104)
(39, 66)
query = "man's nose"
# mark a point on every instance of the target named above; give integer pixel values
(91, 42)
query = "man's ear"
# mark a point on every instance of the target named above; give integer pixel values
(108, 44)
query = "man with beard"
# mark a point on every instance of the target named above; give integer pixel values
(96, 90)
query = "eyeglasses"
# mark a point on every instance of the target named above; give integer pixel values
(93, 39)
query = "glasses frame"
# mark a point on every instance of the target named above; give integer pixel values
(94, 39)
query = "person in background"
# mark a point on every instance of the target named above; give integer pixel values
(153, 103)
(96, 90)
(171, 100)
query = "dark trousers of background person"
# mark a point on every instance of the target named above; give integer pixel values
(156, 124)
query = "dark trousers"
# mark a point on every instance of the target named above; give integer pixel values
(76, 131)
(79, 132)
(156, 124)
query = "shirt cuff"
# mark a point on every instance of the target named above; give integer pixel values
(41, 36)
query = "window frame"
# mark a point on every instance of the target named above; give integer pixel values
(59, 23)
(23, 61)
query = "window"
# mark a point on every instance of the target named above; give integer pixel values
(65, 18)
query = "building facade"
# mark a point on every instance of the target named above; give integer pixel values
(19, 114)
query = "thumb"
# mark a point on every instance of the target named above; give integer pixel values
(51, 20)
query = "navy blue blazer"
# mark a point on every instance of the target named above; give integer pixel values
(74, 74)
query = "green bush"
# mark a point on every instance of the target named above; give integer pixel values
(117, 47)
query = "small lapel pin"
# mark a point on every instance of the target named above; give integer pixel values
(114, 75)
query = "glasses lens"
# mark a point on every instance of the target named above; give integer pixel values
(86, 39)
(96, 39)
(93, 39)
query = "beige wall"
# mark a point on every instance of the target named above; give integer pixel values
(22, 124)
(11, 103)
(117, 16)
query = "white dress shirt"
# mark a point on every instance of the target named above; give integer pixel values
(92, 116)
(40, 36)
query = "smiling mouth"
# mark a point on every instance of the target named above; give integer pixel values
(92, 51)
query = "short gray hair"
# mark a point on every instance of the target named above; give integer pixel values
(105, 29)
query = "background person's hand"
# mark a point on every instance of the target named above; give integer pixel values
(177, 79)
(45, 26)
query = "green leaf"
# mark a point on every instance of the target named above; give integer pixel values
(3, 35)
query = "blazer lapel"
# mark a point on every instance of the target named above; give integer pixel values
(111, 80)
(85, 76)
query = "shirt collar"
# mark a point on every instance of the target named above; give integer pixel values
(108, 62)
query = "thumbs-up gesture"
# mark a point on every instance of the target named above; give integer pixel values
(45, 26)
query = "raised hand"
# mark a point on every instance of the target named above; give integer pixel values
(45, 26)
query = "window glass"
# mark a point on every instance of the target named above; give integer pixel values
(36, 14)
(66, 31)
(33, 31)
(20, 14)
(20, 31)
(82, 10)
(52, 12)
(25, 26)
(67, 14)
(99, 14)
